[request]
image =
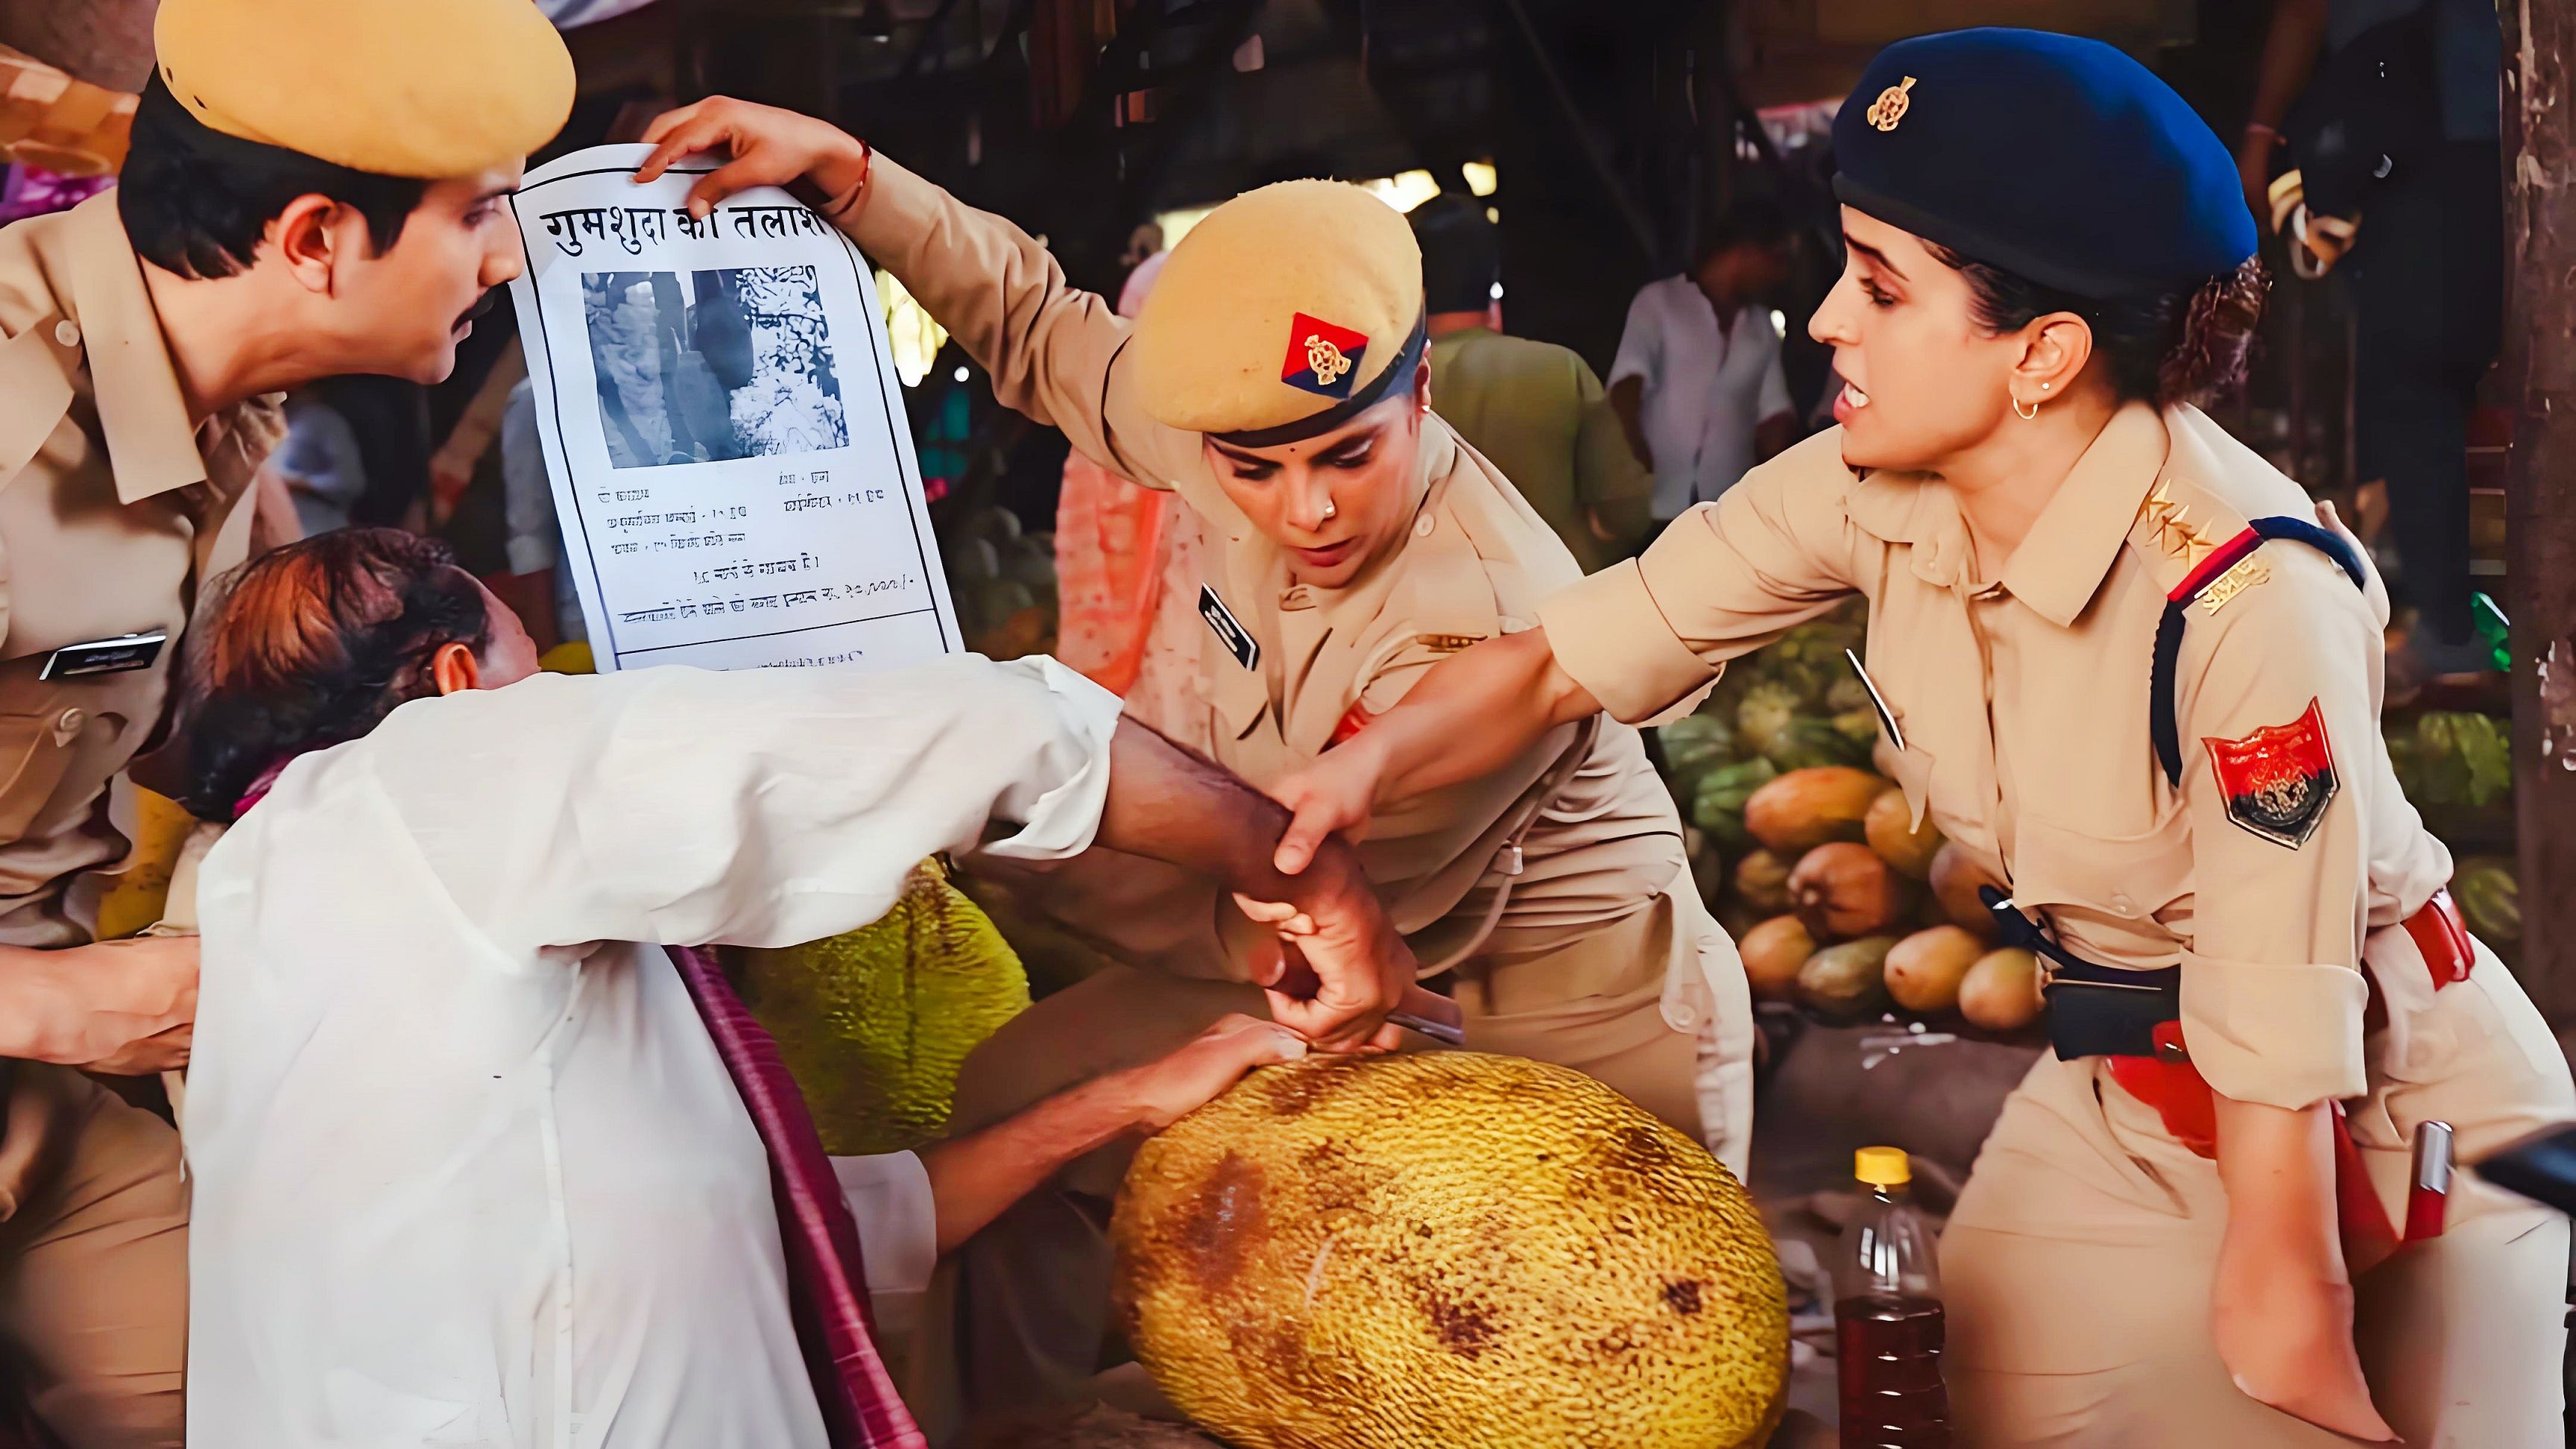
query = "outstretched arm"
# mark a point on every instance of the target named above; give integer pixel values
(975, 1178)
(1468, 716)
(1049, 346)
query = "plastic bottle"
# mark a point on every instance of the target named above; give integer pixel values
(1887, 1316)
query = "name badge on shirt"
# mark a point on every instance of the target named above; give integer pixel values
(1237, 639)
(120, 655)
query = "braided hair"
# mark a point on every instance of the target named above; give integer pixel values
(314, 644)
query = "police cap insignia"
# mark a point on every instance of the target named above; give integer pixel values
(2279, 779)
(1322, 358)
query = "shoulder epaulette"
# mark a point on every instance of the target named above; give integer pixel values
(2225, 572)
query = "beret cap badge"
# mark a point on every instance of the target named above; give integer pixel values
(1322, 358)
(1891, 105)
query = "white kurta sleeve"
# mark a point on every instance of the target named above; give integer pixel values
(761, 808)
(889, 1194)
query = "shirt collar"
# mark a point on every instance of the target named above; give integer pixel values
(151, 445)
(2070, 548)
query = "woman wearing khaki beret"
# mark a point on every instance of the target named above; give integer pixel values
(1275, 380)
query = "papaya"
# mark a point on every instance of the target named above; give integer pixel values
(1955, 879)
(1773, 952)
(1848, 981)
(1762, 881)
(2001, 990)
(1891, 832)
(1806, 808)
(1841, 890)
(1925, 970)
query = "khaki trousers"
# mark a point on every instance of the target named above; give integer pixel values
(93, 1261)
(1018, 1318)
(2077, 1267)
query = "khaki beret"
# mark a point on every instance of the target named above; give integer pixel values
(1284, 311)
(419, 88)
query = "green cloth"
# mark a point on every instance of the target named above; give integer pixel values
(1535, 410)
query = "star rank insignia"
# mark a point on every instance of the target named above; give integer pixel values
(1322, 358)
(2173, 530)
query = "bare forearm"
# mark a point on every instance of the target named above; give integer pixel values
(1474, 713)
(2278, 1168)
(1168, 804)
(37, 1005)
(975, 1178)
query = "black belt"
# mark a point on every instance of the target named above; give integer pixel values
(2093, 1010)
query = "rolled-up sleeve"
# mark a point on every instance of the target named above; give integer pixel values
(1052, 349)
(1725, 579)
(2278, 739)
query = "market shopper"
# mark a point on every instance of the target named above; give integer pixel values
(310, 188)
(1274, 381)
(468, 1166)
(1534, 409)
(2127, 674)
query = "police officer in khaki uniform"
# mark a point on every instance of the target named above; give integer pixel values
(312, 188)
(1275, 380)
(2127, 670)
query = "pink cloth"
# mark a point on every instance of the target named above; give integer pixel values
(827, 1284)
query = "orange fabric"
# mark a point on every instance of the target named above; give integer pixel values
(1109, 538)
(1352, 722)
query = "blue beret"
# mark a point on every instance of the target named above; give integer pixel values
(2057, 158)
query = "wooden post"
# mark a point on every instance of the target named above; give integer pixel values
(2539, 384)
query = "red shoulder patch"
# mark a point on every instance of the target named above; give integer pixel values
(2279, 779)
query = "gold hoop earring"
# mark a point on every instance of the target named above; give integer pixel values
(2024, 416)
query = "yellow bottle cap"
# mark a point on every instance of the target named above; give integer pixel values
(1882, 1166)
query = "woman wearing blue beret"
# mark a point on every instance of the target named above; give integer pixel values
(2133, 675)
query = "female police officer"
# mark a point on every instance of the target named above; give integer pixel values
(2123, 671)
(1275, 380)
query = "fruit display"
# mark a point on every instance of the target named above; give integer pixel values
(1451, 1249)
(1840, 900)
(1003, 582)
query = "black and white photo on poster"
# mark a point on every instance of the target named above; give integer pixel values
(712, 365)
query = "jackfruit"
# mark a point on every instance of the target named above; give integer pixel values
(1448, 1250)
(874, 1023)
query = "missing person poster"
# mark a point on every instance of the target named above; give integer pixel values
(722, 427)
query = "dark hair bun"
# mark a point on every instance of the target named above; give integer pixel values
(2187, 346)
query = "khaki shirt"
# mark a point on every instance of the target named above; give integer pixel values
(114, 508)
(2023, 695)
(1536, 412)
(1476, 563)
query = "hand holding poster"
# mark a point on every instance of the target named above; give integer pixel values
(721, 426)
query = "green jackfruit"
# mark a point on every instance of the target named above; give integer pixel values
(874, 1023)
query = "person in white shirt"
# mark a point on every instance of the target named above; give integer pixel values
(468, 1167)
(1697, 382)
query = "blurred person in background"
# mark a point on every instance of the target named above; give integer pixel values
(307, 190)
(1697, 383)
(1534, 409)
(2388, 109)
